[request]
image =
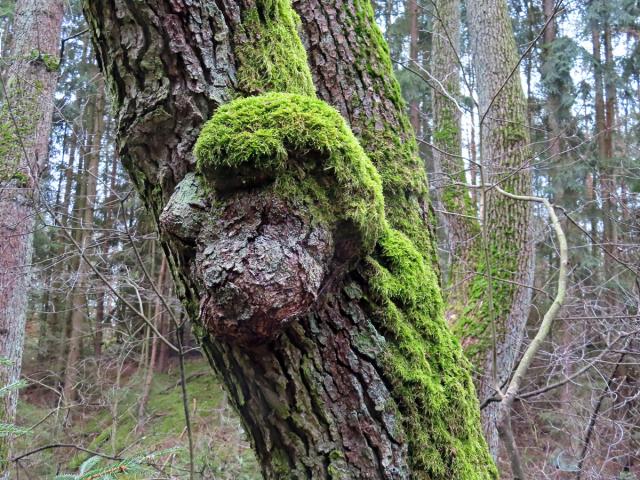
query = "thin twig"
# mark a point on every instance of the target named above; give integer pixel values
(64, 445)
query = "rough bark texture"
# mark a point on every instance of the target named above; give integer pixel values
(553, 103)
(507, 159)
(26, 123)
(414, 106)
(333, 346)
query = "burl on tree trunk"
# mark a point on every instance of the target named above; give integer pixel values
(302, 252)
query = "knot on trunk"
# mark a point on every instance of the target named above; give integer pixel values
(292, 202)
(263, 262)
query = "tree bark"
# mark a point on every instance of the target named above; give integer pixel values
(508, 244)
(327, 382)
(414, 107)
(607, 176)
(85, 211)
(26, 116)
(459, 217)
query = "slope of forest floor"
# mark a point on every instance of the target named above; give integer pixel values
(107, 421)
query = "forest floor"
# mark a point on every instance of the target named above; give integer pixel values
(106, 420)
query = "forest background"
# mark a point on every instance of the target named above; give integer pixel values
(98, 377)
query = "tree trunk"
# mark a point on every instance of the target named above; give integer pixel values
(508, 246)
(158, 313)
(552, 104)
(327, 327)
(86, 213)
(459, 215)
(26, 114)
(414, 107)
(607, 175)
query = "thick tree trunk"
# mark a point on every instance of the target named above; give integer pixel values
(26, 113)
(506, 158)
(341, 367)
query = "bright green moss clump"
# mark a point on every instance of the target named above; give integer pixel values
(429, 374)
(305, 146)
(272, 57)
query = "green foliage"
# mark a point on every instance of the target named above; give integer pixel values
(559, 60)
(9, 429)
(288, 136)
(7, 9)
(272, 57)
(95, 468)
(12, 387)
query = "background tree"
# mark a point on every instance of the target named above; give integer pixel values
(492, 324)
(27, 108)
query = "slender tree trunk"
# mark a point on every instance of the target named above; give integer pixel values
(414, 106)
(341, 378)
(553, 104)
(28, 105)
(78, 295)
(504, 284)
(158, 314)
(608, 182)
(459, 216)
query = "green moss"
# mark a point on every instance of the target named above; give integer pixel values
(472, 325)
(304, 148)
(513, 133)
(388, 139)
(425, 364)
(51, 62)
(303, 144)
(271, 56)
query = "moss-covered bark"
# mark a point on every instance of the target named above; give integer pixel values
(506, 254)
(460, 217)
(319, 308)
